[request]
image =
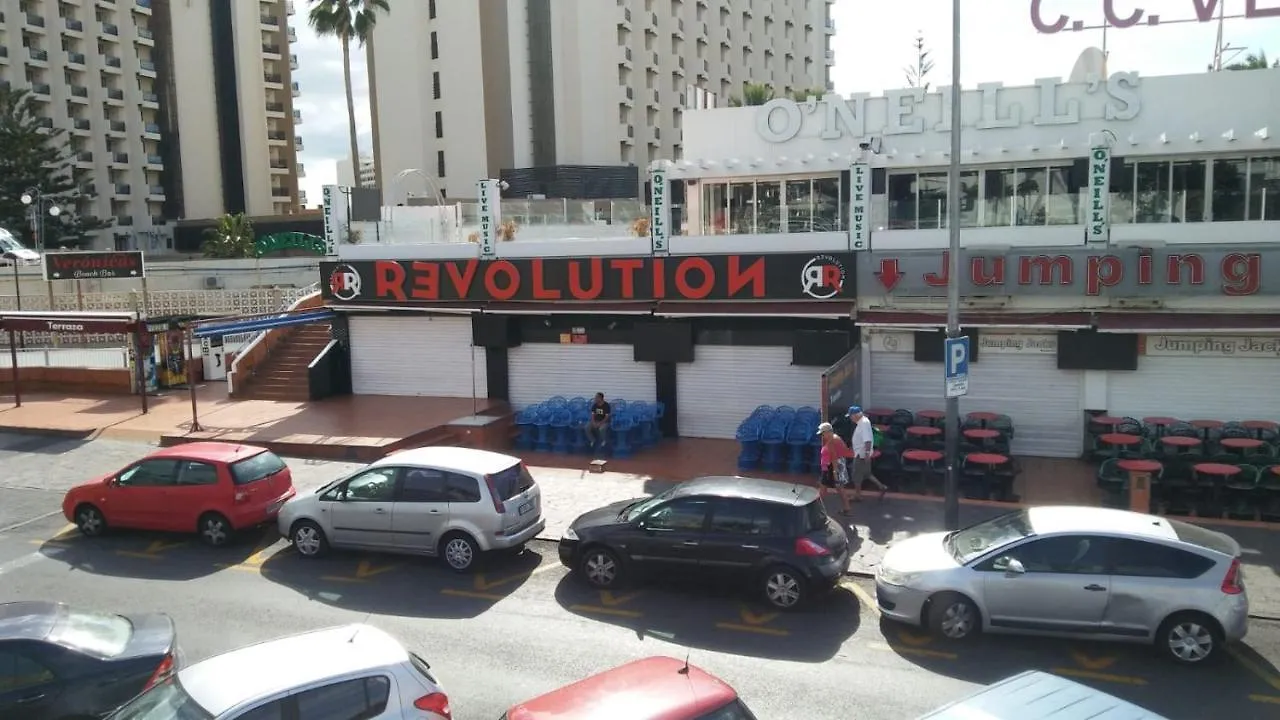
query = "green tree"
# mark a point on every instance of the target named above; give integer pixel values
(918, 74)
(348, 20)
(803, 94)
(231, 237)
(753, 94)
(35, 155)
(1253, 62)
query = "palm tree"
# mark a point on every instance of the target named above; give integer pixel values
(231, 237)
(348, 20)
(803, 94)
(1253, 62)
(753, 94)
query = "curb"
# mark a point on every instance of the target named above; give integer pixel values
(51, 432)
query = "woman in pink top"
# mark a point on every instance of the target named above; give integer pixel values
(831, 458)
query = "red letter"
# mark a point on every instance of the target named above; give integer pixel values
(575, 279)
(1241, 274)
(659, 278)
(1104, 271)
(1108, 9)
(1145, 270)
(936, 280)
(540, 292)
(687, 291)
(1055, 270)
(1041, 26)
(426, 280)
(831, 278)
(981, 277)
(462, 280)
(388, 280)
(1251, 10)
(1176, 263)
(501, 267)
(627, 268)
(753, 275)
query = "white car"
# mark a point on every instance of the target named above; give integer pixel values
(353, 671)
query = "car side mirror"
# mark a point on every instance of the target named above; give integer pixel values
(1012, 566)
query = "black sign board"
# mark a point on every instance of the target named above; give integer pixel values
(94, 265)
(779, 276)
(842, 385)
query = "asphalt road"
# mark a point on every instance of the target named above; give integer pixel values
(521, 626)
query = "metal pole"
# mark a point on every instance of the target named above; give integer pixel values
(952, 504)
(17, 284)
(13, 370)
(188, 336)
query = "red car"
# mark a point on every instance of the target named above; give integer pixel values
(210, 488)
(655, 688)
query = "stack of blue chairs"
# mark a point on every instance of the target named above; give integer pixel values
(776, 438)
(556, 425)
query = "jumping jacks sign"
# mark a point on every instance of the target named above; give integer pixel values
(122, 265)
(659, 233)
(859, 209)
(490, 201)
(1099, 227)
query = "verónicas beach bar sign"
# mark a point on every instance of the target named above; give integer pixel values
(781, 276)
(125, 264)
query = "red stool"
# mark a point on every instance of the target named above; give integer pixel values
(1241, 444)
(933, 417)
(1181, 444)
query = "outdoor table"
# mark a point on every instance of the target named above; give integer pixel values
(932, 416)
(1275, 470)
(983, 417)
(990, 461)
(1106, 420)
(1204, 426)
(1221, 472)
(1119, 440)
(981, 434)
(1135, 465)
(1241, 444)
(924, 431)
(1180, 444)
(880, 416)
(1260, 426)
(1159, 423)
(924, 456)
(1140, 482)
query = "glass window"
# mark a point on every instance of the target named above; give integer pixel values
(968, 200)
(1151, 198)
(826, 205)
(350, 700)
(799, 206)
(735, 710)
(512, 481)
(1196, 535)
(18, 672)
(715, 199)
(1136, 558)
(166, 701)
(640, 508)
(1188, 190)
(1031, 191)
(1264, 188)
(1229, 193)
(461, 488)
(742, 208)
(814, 516)
(998, 198)
(932, 200)
(685, 514)
(270, 711)
(258, 467)
(902, 202)
(377, 485)
(1074, 554)
(1122, 180)
(1062, 199)
(150, 473)
(197, 473)
(975, 540)
(743, 517)
(422, 485)
(768, 207)
(99, 634)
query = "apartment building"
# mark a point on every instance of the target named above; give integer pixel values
(367, 177)
(140, 86)
(470, 89)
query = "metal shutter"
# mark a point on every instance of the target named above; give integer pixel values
(423, 355)
(1195, 388)
(543, 370)
(725, 383)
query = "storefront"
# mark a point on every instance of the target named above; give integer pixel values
(725, 383)
(420, 354)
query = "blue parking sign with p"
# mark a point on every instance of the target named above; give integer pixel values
(956, 360)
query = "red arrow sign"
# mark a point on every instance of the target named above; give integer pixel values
(889, 274)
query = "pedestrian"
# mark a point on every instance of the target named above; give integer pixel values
(597, 427)
(832, 459)
(863, 446)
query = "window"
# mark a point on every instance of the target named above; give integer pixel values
(423, 485)
(99, 634)
(435, 85)
(512, 481)
(150, 473)
(735, 710)
(440, 173)
(18, 672)
(743, 517)
(1264, 188)
(270, 711)
(967, 544)
(191, 472)
(1026, 196)
(439, 124)
(351, 700)
(167, 700)
(1230, 195)
(431, 9)
(679, 515)
(461, 489)
(814, 516)
(827, 202)
(435, 46)
(1073, 554)
(1135, 558)
(377, 485)
(258, 467)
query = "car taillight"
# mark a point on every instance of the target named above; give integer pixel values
(498, 505)
(162, 672)
(437, 703)
(808, 548)
(1231, 584)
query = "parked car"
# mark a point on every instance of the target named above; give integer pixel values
(655, 688)
(354, 671)
(1074, 571)
(448, 501)
(1035, 695)
(774, 536)
(58, 661)
(211, 488)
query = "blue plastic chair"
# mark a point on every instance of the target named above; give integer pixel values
(558, 402)
(619, 407)
(561, 429)
(579, 403)
(638, 411)
(748, 437)
(772, 439)
(808, 411)
(525, 425)
(543, 437)
(761, 411)
(799, 439)
(622, 427)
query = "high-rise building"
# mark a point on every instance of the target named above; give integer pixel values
(163, 102)
(348, 177)
(467, 89)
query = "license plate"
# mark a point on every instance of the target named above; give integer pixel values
(525, 508)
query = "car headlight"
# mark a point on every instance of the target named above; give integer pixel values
(569, 534)
(889, 576)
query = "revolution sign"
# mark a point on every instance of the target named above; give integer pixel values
(782, 276)
(94, 265)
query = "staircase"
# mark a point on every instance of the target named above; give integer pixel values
(283, 375)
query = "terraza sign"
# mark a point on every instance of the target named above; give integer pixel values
(70, 326)
(94, 265)
(790, 276)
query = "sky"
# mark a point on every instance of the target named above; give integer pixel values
(998, 43)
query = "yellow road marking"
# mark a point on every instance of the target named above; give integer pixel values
(757, 629)
(864, 598)
(154, 550)
(597, 610)
(1262, 673)
(1265, 699)
(256, 559)
(608, 599)
(481, 584)
(755, 619)
(1091, 663)
(914, 639)
(1103, 677)
(919, 652)
(364, 571)
(471, 594)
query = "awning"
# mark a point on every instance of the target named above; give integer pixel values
(449, 309)
(757, 308)
(269, 322)
(1172, 322)
(1007, 320)
(569, 308)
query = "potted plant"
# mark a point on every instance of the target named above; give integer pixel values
(474, 237)
(640, 226)
(507, 230)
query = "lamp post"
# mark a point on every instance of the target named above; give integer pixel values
(38, 205)
(951, 506)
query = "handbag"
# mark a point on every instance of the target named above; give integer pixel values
(842, 472)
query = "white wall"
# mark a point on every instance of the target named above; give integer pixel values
(197, 109)
(179, 275)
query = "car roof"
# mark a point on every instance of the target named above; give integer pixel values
(654, 688)
(467, 460)
(750, 489)
(212, 451)
(29, 620)
(1035, 695)
(1051, 519)
(223, 682)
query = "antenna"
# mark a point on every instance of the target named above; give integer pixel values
(685, 670)
(359, 627)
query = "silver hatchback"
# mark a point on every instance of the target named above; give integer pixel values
(1073, 571)
(446, 501)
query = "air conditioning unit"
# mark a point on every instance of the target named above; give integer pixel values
(212, 282)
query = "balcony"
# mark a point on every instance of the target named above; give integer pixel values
(301, 171)
(293, 61)
(831, 57)
(117, 126)
(272, 78)
(277, 136)
(124, 220)
(142, 6)
(37, 55)
(115, 97)
(626, 18)
(155, 192)
(123, 189)
(155, 161)
(146, 68)
(829, 27)
(269, 22)
(110, 30)
(292, 35)
(41, 89)
(271, 50)
(151, 131)
(626, 57)
(150, 100)
(120, 158)
(275, 107)
(628, 96)
(144, 36)
(297, 117)
(84, 158)
(4, 53)
(279, 164)
(295, 88)
(73, 26)
(280, 192)
(297, 145)
(289, 9)
(79, 92)
(34, 22)
(45, 123)
(158, 220)
(112, 63)
(76, 58)
(81, 125)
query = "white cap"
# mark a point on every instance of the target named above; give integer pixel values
(825, 427)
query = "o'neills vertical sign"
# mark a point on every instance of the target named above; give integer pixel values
(659, 212)
(94, 265)
(490, 200)
(859, 207)
(330, 222)
(1099, 227)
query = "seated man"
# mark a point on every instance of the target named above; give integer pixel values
(598, 424)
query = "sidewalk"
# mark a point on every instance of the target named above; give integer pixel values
(567, 493)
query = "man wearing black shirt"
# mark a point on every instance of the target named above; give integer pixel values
(598, 423)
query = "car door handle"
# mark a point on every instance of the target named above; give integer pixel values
(30, 698)
(750, 547)
(434, 512)
(1094, 588)
(689, 543)
(380, 511)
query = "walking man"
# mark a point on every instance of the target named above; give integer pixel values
(864, 438)
(597, 426)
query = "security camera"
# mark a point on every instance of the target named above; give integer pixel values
(865, 145)
(504, 185)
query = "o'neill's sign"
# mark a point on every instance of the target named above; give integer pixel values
(1098, 230)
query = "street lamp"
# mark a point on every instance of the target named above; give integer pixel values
(39, 205)
(951, 505)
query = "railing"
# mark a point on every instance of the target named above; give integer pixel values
(329, 373)
(297, 300)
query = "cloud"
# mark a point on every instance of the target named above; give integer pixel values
(323, 102)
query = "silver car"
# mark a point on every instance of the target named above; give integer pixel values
(1073, 571)
(446, 501)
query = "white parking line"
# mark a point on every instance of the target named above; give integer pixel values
(29, 521)
(29, 559)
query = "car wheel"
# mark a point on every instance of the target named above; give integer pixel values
(1189, 638)
(89, 521)
(308, 539)
(459, 551)
(954, 616)
(214, 530)
(784, 588)
(600, 568)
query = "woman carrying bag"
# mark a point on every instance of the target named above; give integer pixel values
(833, 460)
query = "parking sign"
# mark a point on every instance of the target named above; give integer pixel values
(956, 356)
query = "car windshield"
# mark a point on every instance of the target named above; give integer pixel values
(638, 509)
(253, 469)
(735, 710)
(967, 544)
(97, 634)
(166, 701)
(815, 517)
(511, 482)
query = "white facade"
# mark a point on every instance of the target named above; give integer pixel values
(427, 357)
(544, 370)
(347, 176)
(468, 89)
